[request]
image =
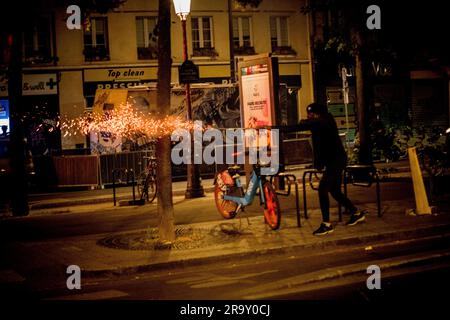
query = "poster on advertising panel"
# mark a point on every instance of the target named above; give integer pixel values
(256, 97)
(258, 79)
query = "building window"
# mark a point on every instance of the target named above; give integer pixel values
(147, 41)
(96, 40)
(279, 36)
(242, 36)
(202, 36)
(37, 42)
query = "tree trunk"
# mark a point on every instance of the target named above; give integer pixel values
(17, 145)
(163, 145)
(365, 156)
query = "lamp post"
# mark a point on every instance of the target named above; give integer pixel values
(194, 187)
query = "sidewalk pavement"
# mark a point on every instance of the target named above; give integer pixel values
(221, 240)
(40, 202)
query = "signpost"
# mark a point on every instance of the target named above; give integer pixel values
(345, 90)
(188, 72)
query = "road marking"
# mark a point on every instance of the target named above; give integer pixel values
(212, 280)
(9, 276)
(72, 248)
(99, 295)
(296, 283)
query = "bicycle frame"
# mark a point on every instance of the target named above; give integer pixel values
(255, 183)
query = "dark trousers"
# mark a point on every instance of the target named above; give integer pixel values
(331, 183)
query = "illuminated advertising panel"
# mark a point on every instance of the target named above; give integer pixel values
(258, 84)
(4, 115)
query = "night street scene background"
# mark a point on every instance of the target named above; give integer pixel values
(94, 207)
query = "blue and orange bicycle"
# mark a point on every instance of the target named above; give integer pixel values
(230, 197)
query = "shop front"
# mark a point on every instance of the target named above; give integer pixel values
(116, 78)
(41, 106)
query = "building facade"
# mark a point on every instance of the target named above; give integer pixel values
(117, 49)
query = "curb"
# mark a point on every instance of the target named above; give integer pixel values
(181, 192)
(395, 235)
(103, 199)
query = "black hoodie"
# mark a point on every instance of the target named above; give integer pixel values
(327, 145)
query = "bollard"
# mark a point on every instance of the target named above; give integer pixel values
(422, 206)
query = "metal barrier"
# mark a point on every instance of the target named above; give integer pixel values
(129, 160)
(128, 173)
(370, 173)
(310, 173)
(290, 179)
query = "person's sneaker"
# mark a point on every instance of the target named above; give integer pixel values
(356, 218)
(323, 229)
(350, 212)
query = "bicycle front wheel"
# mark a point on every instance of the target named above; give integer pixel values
(272, 214)
(226, 208)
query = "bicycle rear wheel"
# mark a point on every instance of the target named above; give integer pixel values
(272, 214)
(147, 186)
(226, 208)
(151, 188)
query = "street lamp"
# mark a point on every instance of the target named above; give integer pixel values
(194, 186)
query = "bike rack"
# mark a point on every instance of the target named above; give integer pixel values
(368, 171)
(290, 179)
(310, 173)
(129, 173)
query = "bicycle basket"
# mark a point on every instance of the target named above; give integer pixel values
(224, 180)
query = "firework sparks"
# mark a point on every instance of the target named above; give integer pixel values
(124, 121)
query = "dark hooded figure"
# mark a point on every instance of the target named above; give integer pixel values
(329, 156)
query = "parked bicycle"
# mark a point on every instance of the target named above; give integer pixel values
(146, 181)
(230, 197)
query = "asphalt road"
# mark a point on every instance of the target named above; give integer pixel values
(97, 219)
(283, 276)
